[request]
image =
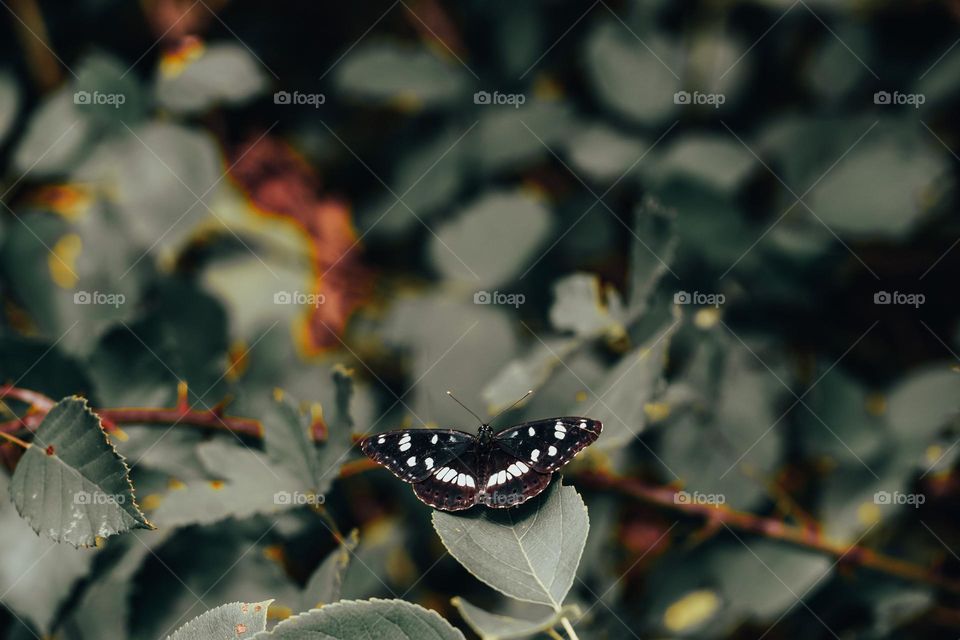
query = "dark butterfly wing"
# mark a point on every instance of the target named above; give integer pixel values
(453, 486)
(414, 454)
(547, 445)
(508, 481)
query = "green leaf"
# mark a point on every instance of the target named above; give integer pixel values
(884, 185)
(508, 138)
(603, 153)
(38, 575)
(71, 483)
(530, 553)
(227, 622)
(362, 619)
(325, 583)
(246, 483)
(923, 402)
(492, 626)
(10, 97)
(582, 307)
(718, 161)
(651, 253)
(628, 78)
(628, 387)
(528, 372)
(287, 441)
(514, 223)
(386, 72)
(55, 136)
(226, 73)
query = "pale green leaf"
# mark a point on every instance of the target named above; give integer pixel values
(628, 387)
(492, 626)
(583, 306)
(225, 73)
(227, 622)
(365, 619)
(71, 484)
(386, 72)
(530, 553)
(512, 222)
(325, 583)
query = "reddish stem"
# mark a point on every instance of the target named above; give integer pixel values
(803, 536)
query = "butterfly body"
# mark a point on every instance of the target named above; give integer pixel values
(453, 470)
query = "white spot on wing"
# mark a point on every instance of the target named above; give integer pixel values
(492, 481)
(412, 461)
(502, 477)
(552, 451)
(429, 462)
(531, 431)
(405, 446)
(381, 440)
(523, 468)
(534, 455)
(434, 439)
(514, 469)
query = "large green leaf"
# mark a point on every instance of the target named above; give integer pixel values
(71, 483)
(359, 620)
(530, 553)
(631, 80)
(226, 72)
(385, 72)
(633, 382)
(227, 622)
(493, 626)
(245, 482)
(513, 222)
(326, 581)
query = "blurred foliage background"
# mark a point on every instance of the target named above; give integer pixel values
(726, 229)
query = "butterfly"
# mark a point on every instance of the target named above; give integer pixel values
(453, 470)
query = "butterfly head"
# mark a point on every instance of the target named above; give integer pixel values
(485, 434)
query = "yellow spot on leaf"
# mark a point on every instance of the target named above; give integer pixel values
(934, 453)
(706, 318)
(547, 88)
(174, 62)
(691, 610)
(239, 359)
(62, 260)
(656, 411)
(868, 514)
(278, 394)
(279, 612)
(274, 552)
(216, 484)
(876, 404)
(151, 501)
(69, 201)
(175, 484)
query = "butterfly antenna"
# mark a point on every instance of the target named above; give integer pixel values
(512, 406)
(479, 419)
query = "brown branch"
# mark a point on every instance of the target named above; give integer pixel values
(181, 414)
(772, 529)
